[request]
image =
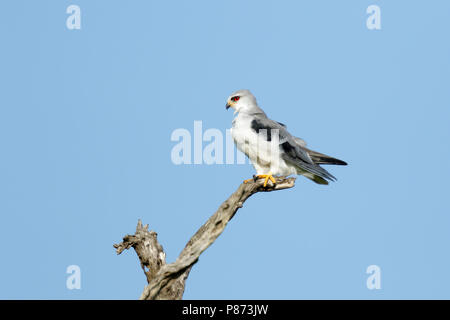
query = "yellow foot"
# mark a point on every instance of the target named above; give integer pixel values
(249, 180)
(266, 178)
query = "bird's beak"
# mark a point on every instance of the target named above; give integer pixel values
(228, 105)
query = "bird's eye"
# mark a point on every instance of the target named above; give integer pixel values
(234, 99)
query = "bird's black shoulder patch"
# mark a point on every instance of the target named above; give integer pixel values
(257, 126)
(288, 148)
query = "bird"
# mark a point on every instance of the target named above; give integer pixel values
(271, 149)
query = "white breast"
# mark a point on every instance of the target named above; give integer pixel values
(264, 155)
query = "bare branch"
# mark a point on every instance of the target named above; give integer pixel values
(167, 281)
(150, 252)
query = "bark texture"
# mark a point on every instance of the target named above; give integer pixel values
(167, 281)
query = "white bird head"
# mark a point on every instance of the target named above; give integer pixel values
(243, 101)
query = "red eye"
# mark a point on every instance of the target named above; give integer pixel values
(234, 99)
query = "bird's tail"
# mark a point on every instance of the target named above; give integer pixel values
(320, 158)
(315, 173)
(317, 179)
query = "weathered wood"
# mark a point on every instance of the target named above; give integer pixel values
(167, 281)
(150, 252)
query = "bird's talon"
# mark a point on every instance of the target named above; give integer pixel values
(266, 178)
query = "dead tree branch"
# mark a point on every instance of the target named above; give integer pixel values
(167, 281)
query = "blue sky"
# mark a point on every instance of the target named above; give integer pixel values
(87, 115)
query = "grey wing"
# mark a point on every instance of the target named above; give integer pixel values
(296, 155)
(291, 149)
(263, 125)
(300, 141)
(320, 158)
(317, 157)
